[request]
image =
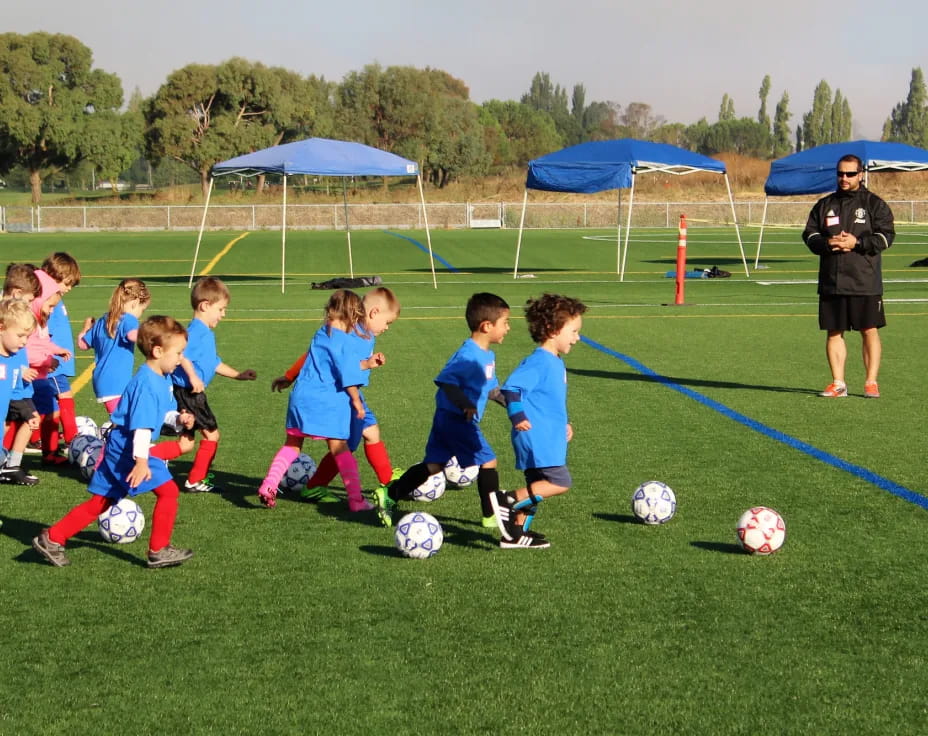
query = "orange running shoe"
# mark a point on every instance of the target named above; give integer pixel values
(834, 391)
(871, 390)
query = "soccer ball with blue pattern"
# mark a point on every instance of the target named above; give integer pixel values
(461, 477)
(654, 502)
(298, 474)
(122, 522)
(86, 425)
(77, 446)
(89, 458)
(432, 489)
(419, 535)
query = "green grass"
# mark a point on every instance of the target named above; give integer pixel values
(304, 620)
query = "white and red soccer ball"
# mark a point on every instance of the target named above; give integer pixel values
(761, 531)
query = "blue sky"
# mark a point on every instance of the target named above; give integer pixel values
(678, 57)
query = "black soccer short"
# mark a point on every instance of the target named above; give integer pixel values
(559, 475)
(21, 410)
(196, 404)
(840, 313)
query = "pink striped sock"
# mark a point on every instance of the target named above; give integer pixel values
(348, 469)
(282, 460)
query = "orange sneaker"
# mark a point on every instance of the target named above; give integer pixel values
(834, 391)
(871, 390)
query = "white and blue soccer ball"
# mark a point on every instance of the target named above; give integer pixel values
(298, 474)
(122, 522)
(654, 502)
(86, 425)
(77, 446)
(432, 489)
(461, 477)
(89, 458)
(418, 535)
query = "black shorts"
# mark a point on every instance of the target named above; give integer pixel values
(21, 410)
(840, 313)
(559, 475)
(196, 404)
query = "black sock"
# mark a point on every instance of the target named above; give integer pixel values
(487, 483)
(403, 486)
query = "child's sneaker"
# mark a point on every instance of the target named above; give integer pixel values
(362, 505)
(834, 391)
(319, 495)
(168, 556)
(201, 486)
(51, 551)
(525, 540)
(268, 496)
(488, 522)
(17, 476)
(871, 390)
(384, 505)
(502, 503)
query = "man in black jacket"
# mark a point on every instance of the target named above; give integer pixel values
(848, 230)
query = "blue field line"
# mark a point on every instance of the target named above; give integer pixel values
(774, 434)
(424, 249)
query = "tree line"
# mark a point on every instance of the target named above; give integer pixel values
(58, 113)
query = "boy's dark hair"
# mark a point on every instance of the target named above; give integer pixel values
(156, 331)
(484, 307)
(21, 276)
(209, 289)
(547, 314)
(63, 268)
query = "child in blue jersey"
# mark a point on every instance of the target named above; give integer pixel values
(536, 401)
(16, 324)
(209, 299)
(465, 384)
(381, 309)
(324, 398)
(112, 338)
(126, 468)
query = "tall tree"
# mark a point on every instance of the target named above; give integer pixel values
(727, 108)
(816, 124)
(762, 117)
(48, 95)
(840, 118)
(639, 120)
(908, 122)
(526, 132)
(782, 135)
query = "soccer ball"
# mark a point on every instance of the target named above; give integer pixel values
(419, 535)
(77, 446)
(104, 429)
(89, 457)
(461, 477)
(761, 531)
(298, 474)
(434, 487)
(653, 502)
(122, 522)
(86, 425)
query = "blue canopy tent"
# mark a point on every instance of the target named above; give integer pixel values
(602, 165)
(319, 157)
(813, 171)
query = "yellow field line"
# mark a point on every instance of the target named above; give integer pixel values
(220, 254)
(83, 379)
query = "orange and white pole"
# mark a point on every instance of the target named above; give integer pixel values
(681, 260)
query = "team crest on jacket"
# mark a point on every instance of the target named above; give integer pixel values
(860, 213)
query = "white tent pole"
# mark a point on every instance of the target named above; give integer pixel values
(347, 226)
(760, 237)
(618, 235)
(283, 241)
(428, 237)
(196, 253)
(628, 225)
(734, 217)
(515, 271)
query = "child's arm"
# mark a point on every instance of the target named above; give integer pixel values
(141, 442)
(457, 397)
(287, 379)
(229, 372)
(375, 361)
(81, 338)
(516, 411)
(496, 395)
(356, 402)
(196, 385)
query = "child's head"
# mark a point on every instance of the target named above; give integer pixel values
(48, 297)
(381, 308)
(162, 339)
(16, 324)
(555, 319)
(209, 299)
(130, 296)
(345, 309)
(488, 314)
(64, 269)
(21, 282)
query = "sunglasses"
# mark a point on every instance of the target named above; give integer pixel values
(847, 174)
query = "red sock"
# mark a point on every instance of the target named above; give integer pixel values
(376, 453)
(36, 436)
(68, 418)
(167, 450)
(325, 472)
(201, 462)
(80, 516)
(49, 433)
(162, 518)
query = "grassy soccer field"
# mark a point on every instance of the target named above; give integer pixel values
(304, 619)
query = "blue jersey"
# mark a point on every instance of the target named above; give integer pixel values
(319, 404)
(21, 389)
(541, 380)
(59, 328)
(201, 351)
(114, 356)
(145, 401)
(361, 348)
(473, 370)
(9, 375)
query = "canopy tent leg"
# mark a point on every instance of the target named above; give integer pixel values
(283, 241)
(428, 236)
(628, 224)
(196, 253)
(760, 237)
(734, 217)
(347, 227)
(515, 270)
(618, 235)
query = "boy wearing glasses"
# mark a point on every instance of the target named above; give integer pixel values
(848, 230)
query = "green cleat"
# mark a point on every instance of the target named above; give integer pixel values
(384, 506)
(488, 522)
(319, 495)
